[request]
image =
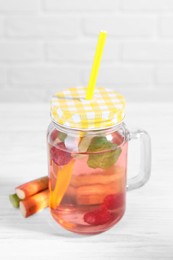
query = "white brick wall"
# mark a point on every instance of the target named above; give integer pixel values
(47, 45)
(1, 26)
(166, 25)
(79, 5)
(21, 51)
(148, 51)
(7, 6)
(124, 25)
(147, 5)
(44, 76)
(80, 51)
(35, 26)
(124, 75)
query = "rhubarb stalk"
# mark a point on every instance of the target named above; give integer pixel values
(33, 187)
(34, 204)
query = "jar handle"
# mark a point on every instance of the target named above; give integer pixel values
(145, 159)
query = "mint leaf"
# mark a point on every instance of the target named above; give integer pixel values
(102, 160)
(100, 143)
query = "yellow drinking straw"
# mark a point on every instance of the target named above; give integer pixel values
(96, 65)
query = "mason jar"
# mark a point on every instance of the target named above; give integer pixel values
(87, 159)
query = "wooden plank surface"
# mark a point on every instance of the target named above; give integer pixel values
(146, 230)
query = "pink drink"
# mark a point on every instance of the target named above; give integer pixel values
(91, 200)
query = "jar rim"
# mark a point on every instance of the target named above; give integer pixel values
(98, 132)
(82, 132)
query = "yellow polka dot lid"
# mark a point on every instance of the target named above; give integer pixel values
(71, 109)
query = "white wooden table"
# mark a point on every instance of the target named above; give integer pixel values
(145, 232)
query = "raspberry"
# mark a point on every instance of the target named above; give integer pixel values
(114, 201)
(53, 135)
(117, 138)
(59, 156)
(98, 216)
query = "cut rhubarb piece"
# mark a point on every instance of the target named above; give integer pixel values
(60, 157)
(34, 203)
(98, 216)
(84, 143)
(84, 194)
(116, 174)
(91, 179)
(114, 201)
(14, 199)
(32, 187)
(92, 199)
(71, 143)
(62, 136)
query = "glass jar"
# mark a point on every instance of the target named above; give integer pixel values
(88, 175)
